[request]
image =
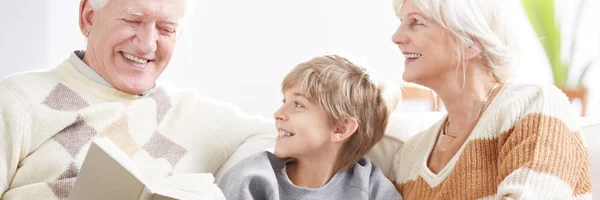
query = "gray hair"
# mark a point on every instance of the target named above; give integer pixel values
(187, 15)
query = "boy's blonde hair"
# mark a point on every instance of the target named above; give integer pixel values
(344, 89)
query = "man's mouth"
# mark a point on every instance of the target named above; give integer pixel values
(135, 59)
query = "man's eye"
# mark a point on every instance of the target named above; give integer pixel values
(168, 30)
(130, 21)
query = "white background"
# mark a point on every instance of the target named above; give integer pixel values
(239, 50)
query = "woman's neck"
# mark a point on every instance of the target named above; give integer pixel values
(464, 99)
(313, 172)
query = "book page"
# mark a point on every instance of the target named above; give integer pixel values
(119, 156)
(146, 194)
(187, 186)
(107, 173)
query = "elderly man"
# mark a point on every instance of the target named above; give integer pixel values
(48, 118)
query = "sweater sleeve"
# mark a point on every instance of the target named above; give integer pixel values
(230, 127)
(541, 154)
(12, 126)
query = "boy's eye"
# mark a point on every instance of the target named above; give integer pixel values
(298, 105)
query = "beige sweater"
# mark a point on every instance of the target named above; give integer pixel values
(48, 119)
(525, 146)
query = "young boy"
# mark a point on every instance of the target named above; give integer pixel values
(332, 114)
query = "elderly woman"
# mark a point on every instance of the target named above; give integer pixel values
(499, 140)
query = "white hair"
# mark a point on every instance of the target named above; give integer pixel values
(478, 24)
(97, 4)
(187, 15)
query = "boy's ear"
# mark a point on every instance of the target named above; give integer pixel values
(346, 128)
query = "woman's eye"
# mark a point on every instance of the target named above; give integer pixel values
(417, 22)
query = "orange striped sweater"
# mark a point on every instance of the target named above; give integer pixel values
(525, 146)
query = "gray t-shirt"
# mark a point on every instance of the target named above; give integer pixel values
(263, 176)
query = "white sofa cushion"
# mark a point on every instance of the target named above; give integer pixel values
(591, 136)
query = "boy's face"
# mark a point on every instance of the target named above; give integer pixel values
(303, 127)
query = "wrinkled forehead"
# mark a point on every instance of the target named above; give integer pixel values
(162, 10)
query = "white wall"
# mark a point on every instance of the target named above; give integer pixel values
(22, 36)
(62, 33)
(587, 45)
(239, 50)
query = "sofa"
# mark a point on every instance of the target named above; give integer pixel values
(401, 127)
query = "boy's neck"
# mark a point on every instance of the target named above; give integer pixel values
(313, 172)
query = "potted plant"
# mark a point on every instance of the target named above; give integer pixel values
(541, 14)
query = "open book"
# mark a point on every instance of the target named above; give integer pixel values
(108, 173)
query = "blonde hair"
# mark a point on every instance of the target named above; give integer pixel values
(344, 89)
(480, 24)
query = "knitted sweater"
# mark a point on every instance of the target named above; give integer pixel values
(525, 146)
(48, 119)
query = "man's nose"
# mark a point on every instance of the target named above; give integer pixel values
(146, 39)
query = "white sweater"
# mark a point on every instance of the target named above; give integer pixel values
(48, 119)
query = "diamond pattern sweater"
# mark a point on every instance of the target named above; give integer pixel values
(48, 119)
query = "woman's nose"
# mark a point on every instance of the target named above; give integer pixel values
(400, 36)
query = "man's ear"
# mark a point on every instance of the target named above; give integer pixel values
(86, 17)
(344, 129)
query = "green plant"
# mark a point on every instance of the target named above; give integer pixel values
(541, 14)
